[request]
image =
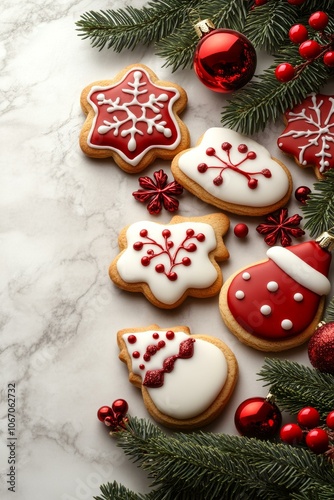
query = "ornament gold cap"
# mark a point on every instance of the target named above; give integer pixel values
(204, 27)
(326, 240)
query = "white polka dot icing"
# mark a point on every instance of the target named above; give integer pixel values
(239, 294)
(265, 310)
(286, 324)
(298, 297)
(246, 276)
(272, 286)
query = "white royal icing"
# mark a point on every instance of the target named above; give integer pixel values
(299, 270)
(298, 297)
(272, 286)
(246, 276)
(200, 274)
(234, 188)
(286, 324)
(240, 294)
(153, 105)
(193, 384)
(265, 310)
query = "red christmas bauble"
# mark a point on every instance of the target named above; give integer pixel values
(120, 407)
(224, 60)
(240, 230)
(302, 194)
(104, 412)
(258, 417)
(321, 348)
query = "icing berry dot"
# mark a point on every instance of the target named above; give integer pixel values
(286, 324)
(155, 335)
(251, 155)
(170, 335)
(191, 247)
(142, 367)
(145, 261)
(146, 357)
(252, 183)
(138, 245)
(242, 148)
(161, 344)
(218, 181)
(266, 172)
(151, 349)
(202, 168)
(246, 276)
(186, 261)
(143, 233)
(170, 244)
(132, 339)
(135, 354)
(239, 294)
(160, 268)
(272, 286)
(200, 237)
(172, 276)
(298, 297)
(210, 151)
(265, 310)
(166, 233)
(226, 146)
(190, 232)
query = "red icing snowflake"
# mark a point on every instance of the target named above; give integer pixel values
(133, 116)
(309, 134)
(279, 225)
(159, 193)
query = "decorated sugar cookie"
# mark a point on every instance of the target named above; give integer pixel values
(168, 262)
(309, 133)
(133, 118)
(186, 380)
(277, 303)
(234, 173)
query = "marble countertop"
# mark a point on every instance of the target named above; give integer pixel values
(61, 215)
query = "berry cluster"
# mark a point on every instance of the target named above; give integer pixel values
(308, 430)
(257, 3)
(114, 416)
(308, 49)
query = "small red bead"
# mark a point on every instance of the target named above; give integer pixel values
(317, 440)
(330, 420)
(170, 335)
(241, 230)
(302, 193)
(296, 2)
(136, 354)
(242, 148)
(166, 233)
(172, 276)
(284, 72)
(309, 49)
(329, 58)
(120, 406)
(318, 20)
(298, 33)
(291, 434)
(155, 335)
(308, 417)
(260, 2)
(103, 412)
(132, 339)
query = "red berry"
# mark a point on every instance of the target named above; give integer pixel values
(200, 237)
(296, 2)
(330, 420)
(291, 434)
(242, 148)
(317, 440)
(260, 2)
(298, 33)
(218, 181)
(138, 245)
(145, 261)
(103, 412)
(318, 20)
(202, 168)
(191, 247)
(309, 49)
(226, 146)
(186, 261)
(329, 58)
(160, 268)
(252, 183)
(172, 276)
(241, 230)
(143, 233)
(210, 151)
(251, 155)
(308, 417)
(190, 233)
(166, 233)
(284, 72)
(120, 406)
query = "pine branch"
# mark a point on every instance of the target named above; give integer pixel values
(329, 313)
(114, 491)
(319, 208)
(296, 386)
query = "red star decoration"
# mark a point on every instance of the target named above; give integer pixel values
(279, 225)
(159, 193)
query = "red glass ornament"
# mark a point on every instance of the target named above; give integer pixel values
(309, 49)
(302, 193)
(317, 440)
(308, 417)
(241, 230)
(104, 412)
(329, 58)
(298, 33)
(224, 60)
(284, 72)
(291, 434)
(321, 348)
(318, 20)
(120, 406)
(258, 417)
(330, 420)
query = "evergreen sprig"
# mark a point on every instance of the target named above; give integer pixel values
(329, 313)
(296, 386)
(319, 208)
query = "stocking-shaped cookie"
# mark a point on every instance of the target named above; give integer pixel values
(186, 380)
(276, 304)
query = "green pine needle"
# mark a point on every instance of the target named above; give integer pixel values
(329, 313)
(319, 208)
(115, 491)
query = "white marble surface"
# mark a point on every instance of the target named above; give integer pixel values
(60, 216)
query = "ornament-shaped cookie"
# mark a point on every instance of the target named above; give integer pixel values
(309, 133)
(234, 173)
(186, 380)
(133, 118)
(276, 304)
(168, 262)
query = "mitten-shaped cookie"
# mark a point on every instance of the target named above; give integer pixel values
(276, 304)
(186, 380)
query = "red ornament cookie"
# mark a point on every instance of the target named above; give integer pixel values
(133, 118)
(186, 380)
(309, 133)
(168, 262)
(276, 304)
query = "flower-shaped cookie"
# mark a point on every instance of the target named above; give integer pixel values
(309, 133)
(168, 262)
(133, 118)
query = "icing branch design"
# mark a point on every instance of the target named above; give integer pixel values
(135, 112)
(167, 249)
(228, 164)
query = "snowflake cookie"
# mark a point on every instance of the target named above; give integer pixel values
(133, 118)
(309, 133)
(186, 380)
(234, 173)
(168, 262)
